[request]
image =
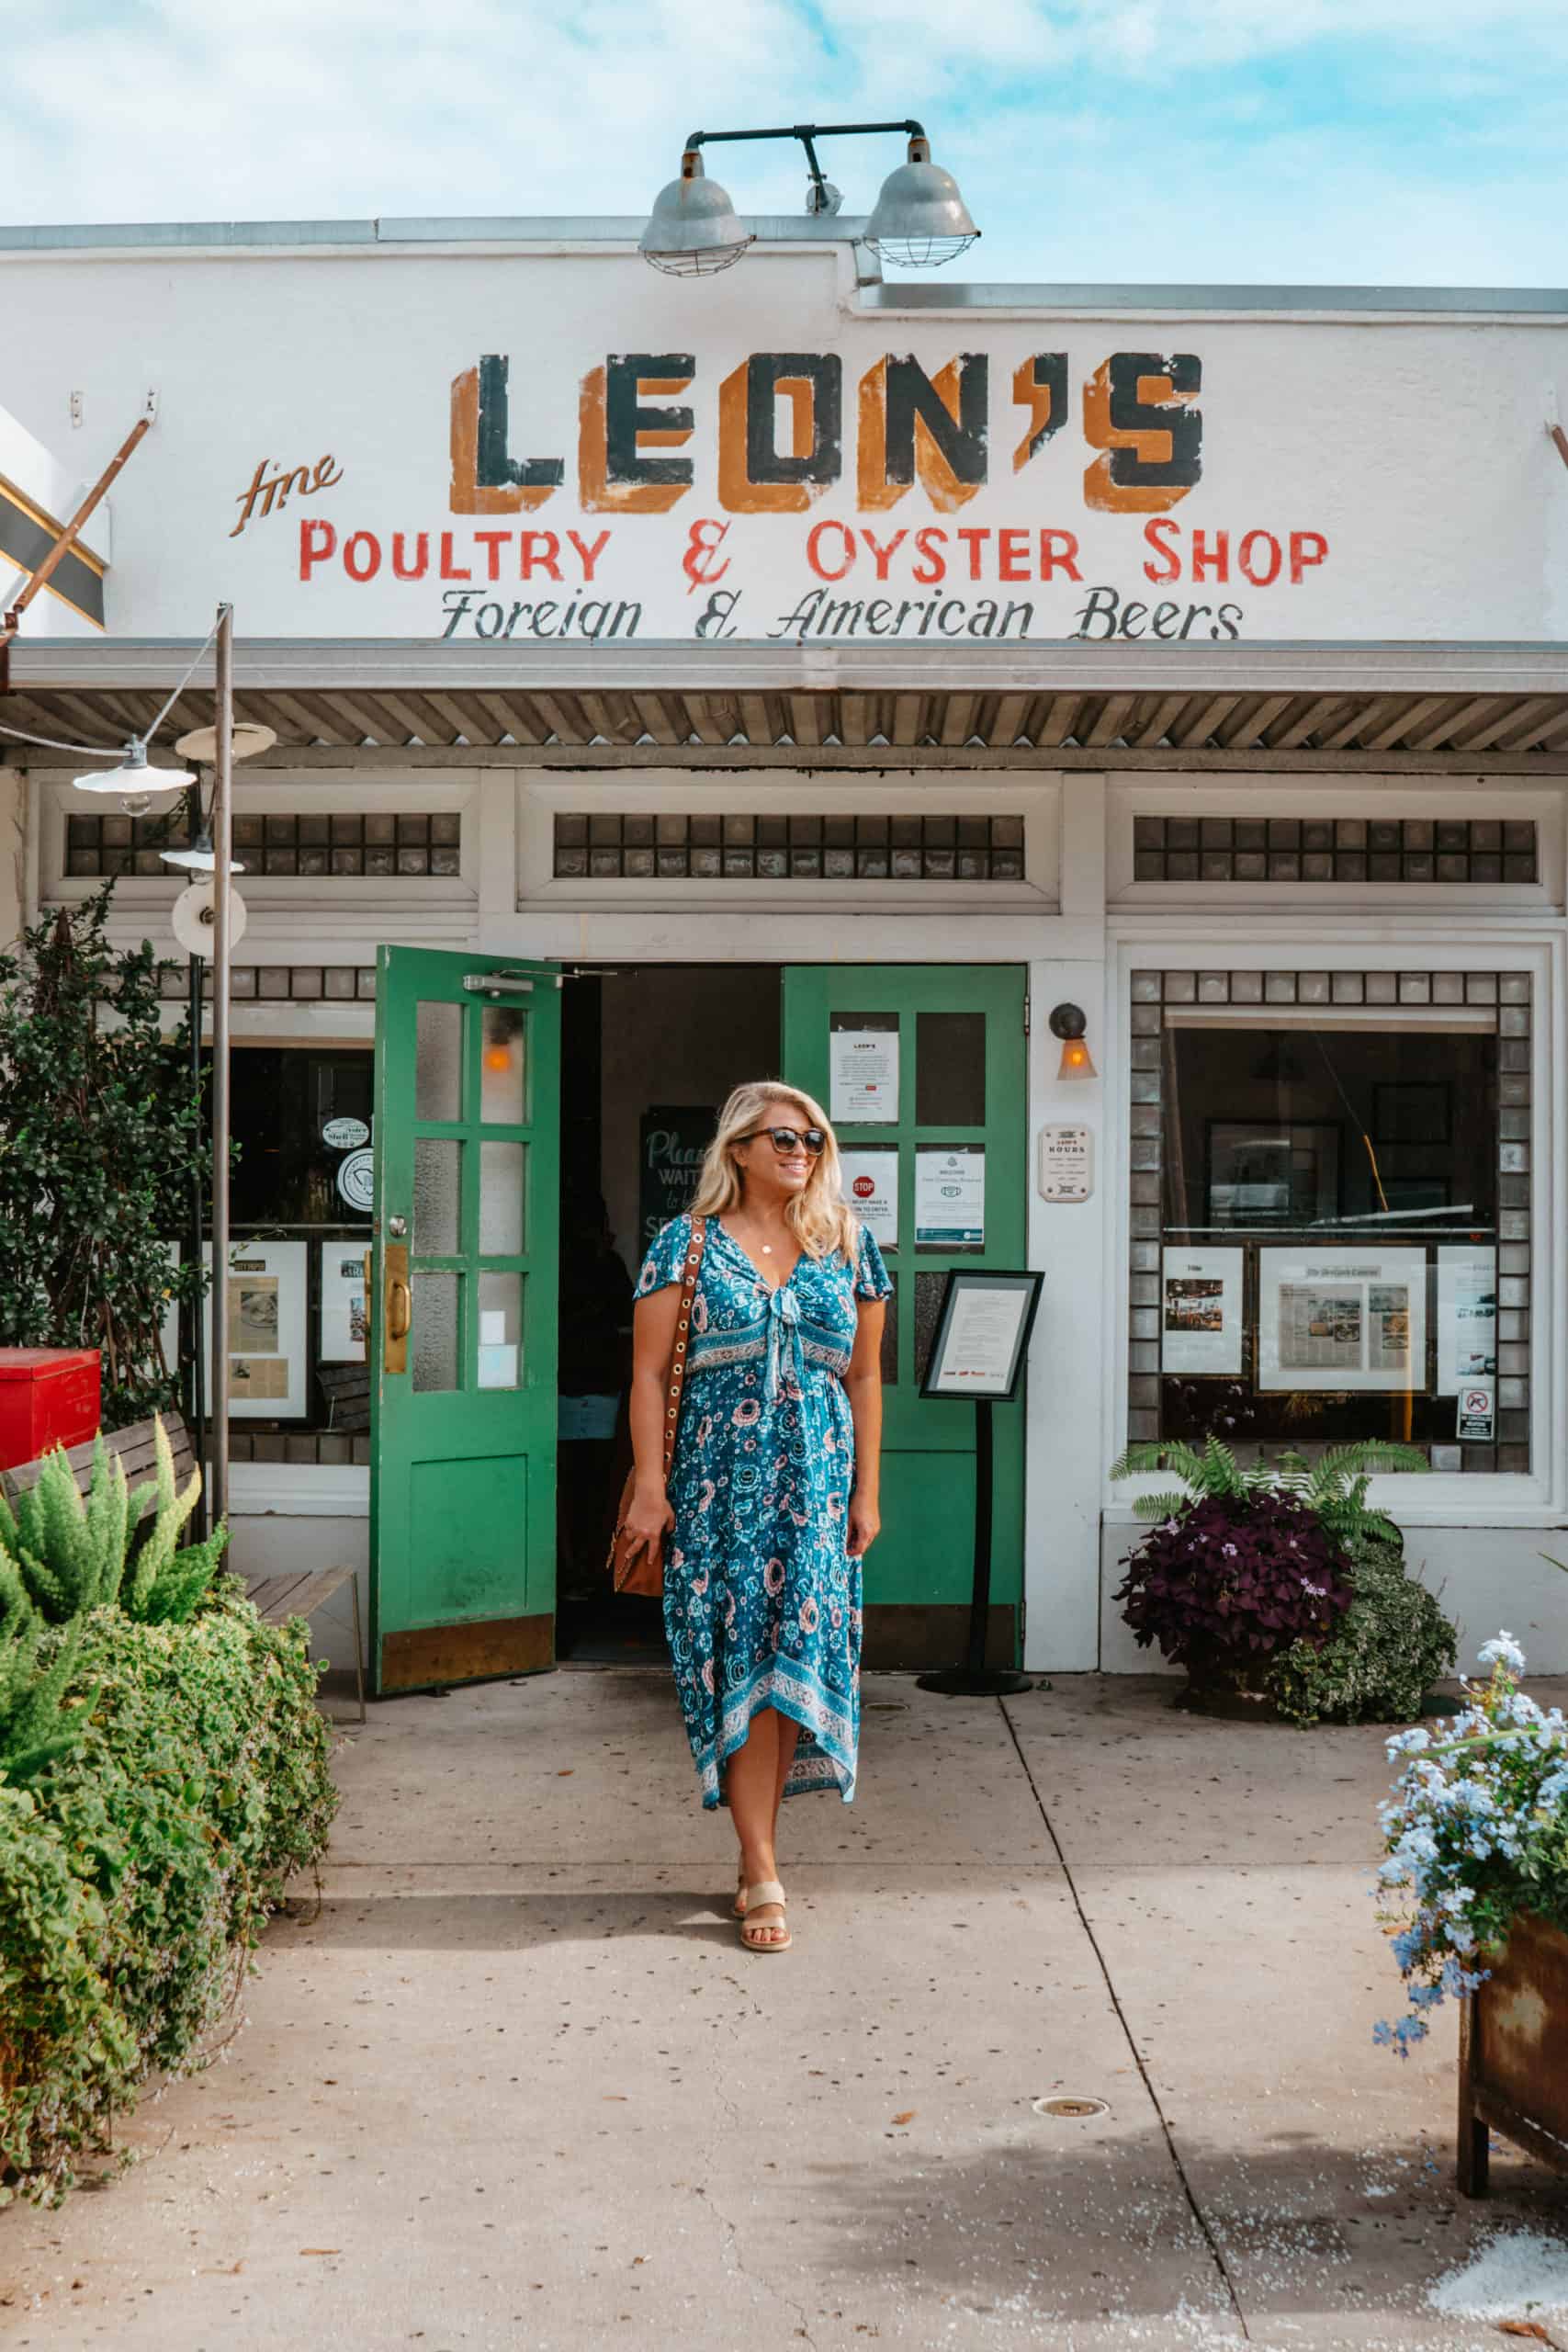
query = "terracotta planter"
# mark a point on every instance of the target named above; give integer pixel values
(1513, 2053)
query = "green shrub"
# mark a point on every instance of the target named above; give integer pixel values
(137, 1873)
(1390, 1645)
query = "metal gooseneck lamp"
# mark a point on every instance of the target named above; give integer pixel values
(919, 220)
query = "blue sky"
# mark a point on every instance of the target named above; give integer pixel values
(1210, 140)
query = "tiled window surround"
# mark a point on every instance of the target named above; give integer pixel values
(1334, 848)
(1509, 992)
(323, 1447)
(737, 848)
(358, 845)
(279, 983)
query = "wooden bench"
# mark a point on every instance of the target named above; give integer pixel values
(273, 1599)
(300, 1594)
(136, 1447)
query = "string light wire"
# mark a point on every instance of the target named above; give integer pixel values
(98, 751)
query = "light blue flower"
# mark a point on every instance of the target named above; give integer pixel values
(1409, 1743)
(1503, 1651)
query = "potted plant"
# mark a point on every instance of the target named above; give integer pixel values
(1245, 1563)
(1477, 1831)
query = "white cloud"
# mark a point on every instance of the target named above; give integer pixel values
(1095, 138)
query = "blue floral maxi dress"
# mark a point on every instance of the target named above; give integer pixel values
(762, 1600)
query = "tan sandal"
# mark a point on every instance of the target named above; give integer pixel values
(767, 1890)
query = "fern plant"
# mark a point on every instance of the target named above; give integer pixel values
(1334, 1487)
(73, 1555)
(163, 1586)
(36, 1730)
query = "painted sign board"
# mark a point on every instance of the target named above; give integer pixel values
(524, 446)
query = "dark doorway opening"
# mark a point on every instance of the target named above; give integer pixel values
(648, 1054)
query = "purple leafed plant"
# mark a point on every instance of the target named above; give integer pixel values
(1223, 1582)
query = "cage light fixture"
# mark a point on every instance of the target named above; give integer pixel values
(919, 220)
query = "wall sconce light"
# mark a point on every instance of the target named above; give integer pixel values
(1068, 1023)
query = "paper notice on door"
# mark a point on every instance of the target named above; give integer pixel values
(871, 1188)
(864, 1077)
(1200, 1311)
(1467, 1317)
(949, 1197)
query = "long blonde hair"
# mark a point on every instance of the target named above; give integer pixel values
(817, 1217)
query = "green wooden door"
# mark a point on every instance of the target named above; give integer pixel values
(463, 1319)
(955, 1035)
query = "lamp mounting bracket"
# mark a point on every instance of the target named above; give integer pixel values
(808, 133)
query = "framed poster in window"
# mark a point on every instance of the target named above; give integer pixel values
(268, 1323)
(1342, 1319)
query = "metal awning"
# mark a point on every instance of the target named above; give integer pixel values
(1073, 703)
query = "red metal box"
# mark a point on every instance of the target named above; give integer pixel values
(48, 1397)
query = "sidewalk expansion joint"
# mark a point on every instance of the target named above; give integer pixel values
(1209, 2240)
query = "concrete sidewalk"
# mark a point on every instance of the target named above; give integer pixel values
(515, 2084)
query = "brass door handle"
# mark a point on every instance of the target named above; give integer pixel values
(398, 1300)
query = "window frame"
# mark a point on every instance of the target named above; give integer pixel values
(1441, 1498)
(881, 791)
(1296, 795)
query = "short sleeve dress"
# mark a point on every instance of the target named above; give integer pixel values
(762, 1600)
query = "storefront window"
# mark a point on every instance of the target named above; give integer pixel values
(301, 1220)
(1330, 1210)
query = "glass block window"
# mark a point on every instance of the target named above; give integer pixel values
(1334, 848)
(358, 845)
(785, 848)
(1329, 1176)
(277, 983)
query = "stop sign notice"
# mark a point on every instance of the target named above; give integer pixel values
(865, 1186)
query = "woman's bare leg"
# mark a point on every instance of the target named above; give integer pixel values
(789, 1735)
(751, 1784)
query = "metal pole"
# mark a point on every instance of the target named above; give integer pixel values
(974, 1679)
(980, 1590)
(197, 1399)
(222, 840)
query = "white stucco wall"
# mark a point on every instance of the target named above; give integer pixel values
(1396, 460)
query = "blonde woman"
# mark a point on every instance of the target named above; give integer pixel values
(772, 1497)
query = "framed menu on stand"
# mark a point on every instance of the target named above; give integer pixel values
(982, 1339)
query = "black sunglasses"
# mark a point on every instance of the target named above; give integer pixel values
(790, 1138)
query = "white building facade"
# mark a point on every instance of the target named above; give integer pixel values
(782, 659)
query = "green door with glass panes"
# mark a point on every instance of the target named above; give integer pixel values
(463, 1319)
(922, 1069)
